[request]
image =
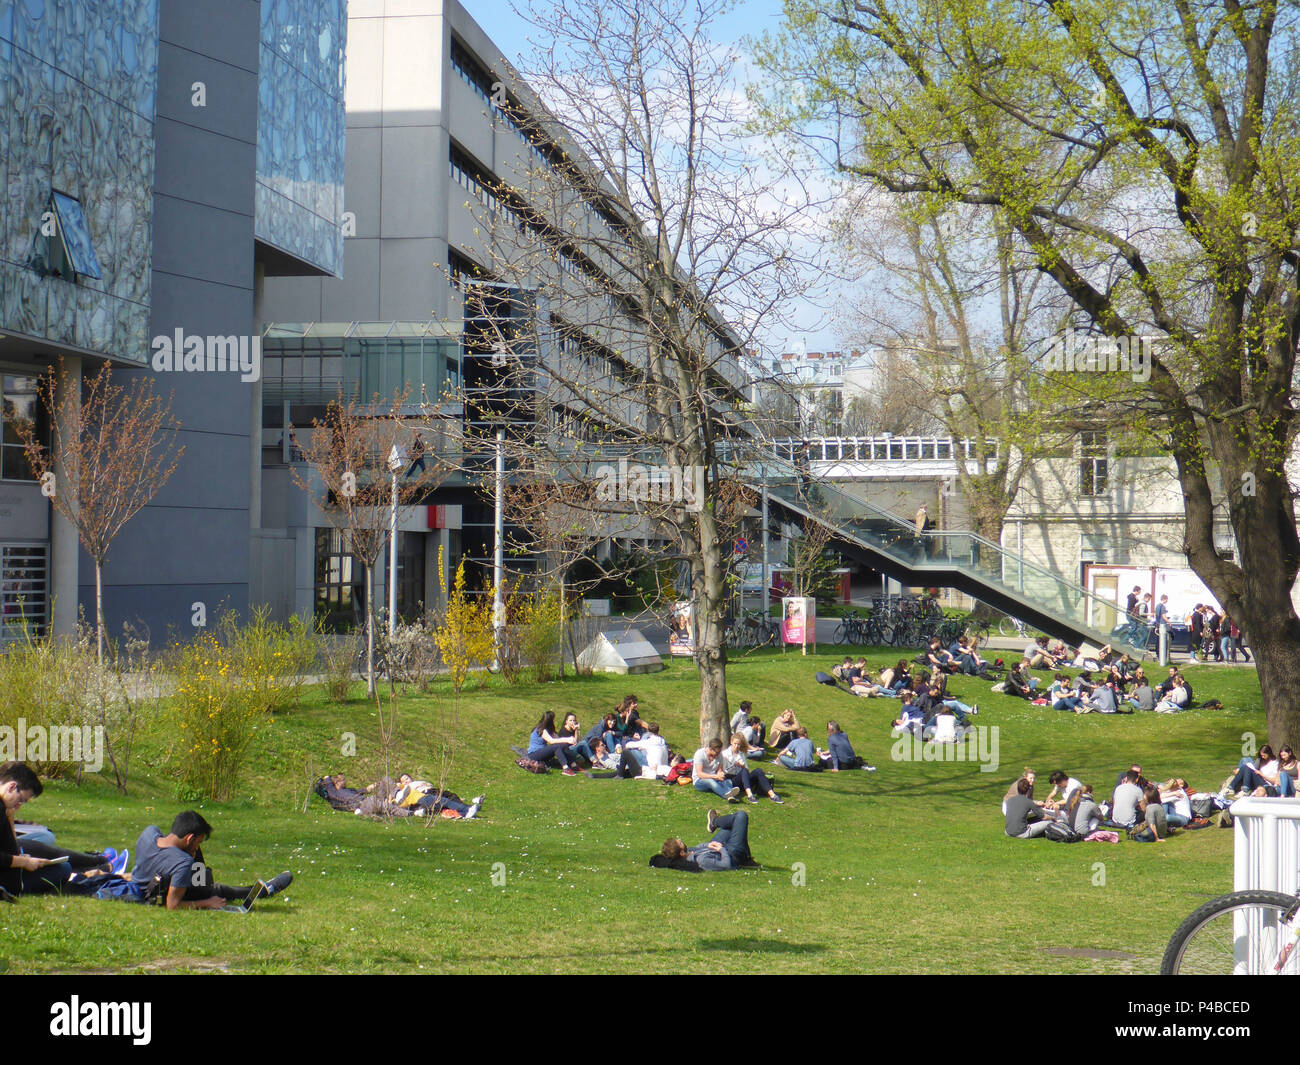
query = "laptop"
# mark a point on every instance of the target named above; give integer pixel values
(258, 891)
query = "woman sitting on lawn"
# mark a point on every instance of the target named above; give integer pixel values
(735, 765)
(898, 678)
(1263, 777)
(783, 729)
(550, 745)
(1082, 813)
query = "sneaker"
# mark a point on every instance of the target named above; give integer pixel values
(277, 883)
(750, 799)
(868, 768)
(110, 853)
(117, 865)
(975, 708)
(711, 819)
(569, 771)
(472, 812)
(477, 800)
(732, 795)
(777, 799)
(6, 897)
(419, 811)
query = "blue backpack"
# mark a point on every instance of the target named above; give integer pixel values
(121, 888)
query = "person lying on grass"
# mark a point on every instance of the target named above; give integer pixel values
(728, 849)
(177, 858)
(427, 799)
(620, 764)
(31, 867)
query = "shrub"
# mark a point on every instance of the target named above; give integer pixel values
(541, 632)
(269, 658)
(213, 717)
(465, 635)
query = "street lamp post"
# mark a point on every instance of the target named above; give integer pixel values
(498, 551)
(396, 460)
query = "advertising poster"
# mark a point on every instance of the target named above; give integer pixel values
(681, 637)
(799, 620)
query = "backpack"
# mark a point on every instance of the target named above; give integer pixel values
(1060, 832)
(532, 765)
(117, 887)
(1204, 807)
(1211, 704)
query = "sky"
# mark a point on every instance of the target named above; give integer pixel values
(813, 328)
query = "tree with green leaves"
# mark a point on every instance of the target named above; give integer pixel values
(1146, 156)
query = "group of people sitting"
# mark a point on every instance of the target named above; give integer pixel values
(169, 867)
(1147, 811)
(404, 797)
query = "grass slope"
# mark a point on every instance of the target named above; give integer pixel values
(905, 870)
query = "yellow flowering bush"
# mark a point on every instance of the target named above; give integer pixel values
(213, 712)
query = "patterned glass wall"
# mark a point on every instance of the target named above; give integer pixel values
(300, 130)
(78, 79)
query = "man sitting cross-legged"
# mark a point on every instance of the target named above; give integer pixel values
(177, 857)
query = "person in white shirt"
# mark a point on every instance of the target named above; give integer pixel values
(651, 749)
(1065, 785)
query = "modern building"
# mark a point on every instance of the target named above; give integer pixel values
(453, 164)
(160, 160)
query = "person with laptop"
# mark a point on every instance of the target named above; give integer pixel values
(177, 858)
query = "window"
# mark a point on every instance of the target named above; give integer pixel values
(20, 402)
(338, 596)
(1094, 464)
(24, 591)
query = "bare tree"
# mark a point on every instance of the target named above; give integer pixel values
(349, 452)
(112, 448)
(642, 256)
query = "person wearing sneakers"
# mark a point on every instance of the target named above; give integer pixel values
(735, 764)
(28, 867)
(728, 849)
(799, 754)
(707, 773)
(430, 800)
(177, 858)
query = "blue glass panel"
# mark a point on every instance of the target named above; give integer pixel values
(76, 236)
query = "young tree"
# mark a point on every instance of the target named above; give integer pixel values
(112, 448)
(1146, 154)
(649, 226)
(350, 479)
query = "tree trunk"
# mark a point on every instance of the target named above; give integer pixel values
(370, 636)
(99, 610)
(711, 662)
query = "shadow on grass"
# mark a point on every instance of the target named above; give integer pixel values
(748, 945)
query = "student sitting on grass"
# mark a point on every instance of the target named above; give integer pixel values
(34, 868)
(1062, 695)
(861, 682)
(911, 717)
(1177, 801)
(728, 849)
(1019, 683)
(605, 726)
(1025, 819)
(1263, 777)
(651, 749)
(1153, 822)
(800, 754)
(547, 745)
(1082, 812)
(897, 679)
(840, 754)
(736, 766)
(783, 729)
(1176, 699)
(707, 773)
(177, 858)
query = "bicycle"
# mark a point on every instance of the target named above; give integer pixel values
(851, 629)
(1009, 626)
(1244, 933)
(979, 632)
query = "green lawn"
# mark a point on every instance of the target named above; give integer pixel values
(903, 870)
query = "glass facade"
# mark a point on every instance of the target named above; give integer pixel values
(300, 130)
(77, 88)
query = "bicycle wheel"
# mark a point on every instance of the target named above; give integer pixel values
(1246, 933)
(841, 632)
(1008, 626)
(887, 633)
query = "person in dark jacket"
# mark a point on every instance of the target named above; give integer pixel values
(840, 754)
(728, 849)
